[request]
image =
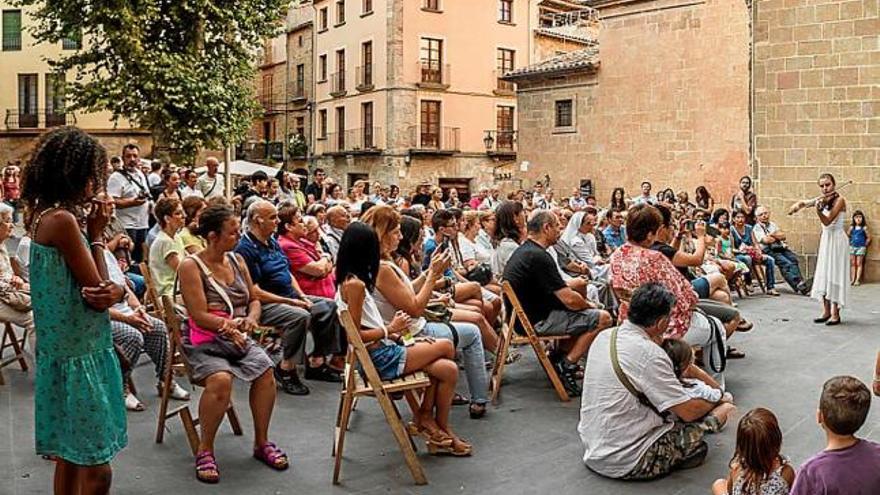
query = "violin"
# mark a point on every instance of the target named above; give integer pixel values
(822, 201)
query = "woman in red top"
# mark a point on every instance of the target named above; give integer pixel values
(312, 269)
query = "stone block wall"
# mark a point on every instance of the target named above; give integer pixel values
(669, 103)
(18, 145)
(817, 109)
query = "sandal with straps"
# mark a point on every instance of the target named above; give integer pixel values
(270, 455)
(206, 468)
(458, 448)
(436, 438)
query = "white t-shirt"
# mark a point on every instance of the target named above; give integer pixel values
(211, 187)
(116, 276)
(187, 191)
(126, 185)
(615, 428)
(154, 179)
(23, 255)
(473, 251)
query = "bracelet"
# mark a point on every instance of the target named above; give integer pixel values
(98, 244)
(385, 331)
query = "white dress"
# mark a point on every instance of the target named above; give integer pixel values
(831, 279)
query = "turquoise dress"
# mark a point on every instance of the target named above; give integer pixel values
(78, 402)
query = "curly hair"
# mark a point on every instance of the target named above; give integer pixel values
(62, 164)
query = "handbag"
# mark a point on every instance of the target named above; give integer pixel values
(437, 312)
(480, 273)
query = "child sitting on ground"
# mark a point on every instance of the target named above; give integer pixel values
(682, 356)
(757, 466)
(848, 465)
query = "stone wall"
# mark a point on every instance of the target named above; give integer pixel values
(817, 109)
(18, 145)
(669, 103)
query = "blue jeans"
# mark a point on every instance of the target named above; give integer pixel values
(138, 285)
(788, 265)
(770, 272)
(470, 344)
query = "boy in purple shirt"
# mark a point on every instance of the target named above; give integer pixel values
(848, 465)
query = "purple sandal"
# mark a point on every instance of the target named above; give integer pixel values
(270, 455)
(206, 468)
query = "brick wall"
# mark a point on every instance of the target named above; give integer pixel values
(817, 109)
(669, 103)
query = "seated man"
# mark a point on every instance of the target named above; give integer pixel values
(772, 241)
(624, 434)
(284, 304)
(338, 219)
(848, 464)
(615, 232)
(551, 305)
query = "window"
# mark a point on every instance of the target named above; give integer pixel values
(504, 64)
(300, 80)
(340, 12)
(322, 124)
(72, 42)
(299, 41)
(27, 100)
(367, 59)
(504, 126)
(266, 93)
(431, 54)
(339, 77)
(323, 19)
(340, 128)
(367, 122)
(564, 113)
(431, 5)
(430, 124)
(11, 30)
(505, 11)
(300, 126)
(55, 102)
(322, 67)
(367, 7)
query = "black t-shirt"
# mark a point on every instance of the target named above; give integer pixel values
(315, 190)
(534, 277)
(421, 199)
(669, 252)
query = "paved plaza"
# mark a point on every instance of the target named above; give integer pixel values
(528, 444)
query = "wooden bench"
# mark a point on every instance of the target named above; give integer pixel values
(177, 361)
(355, 385)
(508, 336)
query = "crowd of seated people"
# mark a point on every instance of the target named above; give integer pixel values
(421, 277)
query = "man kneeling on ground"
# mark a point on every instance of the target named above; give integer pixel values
(552, 306)
(628, 436)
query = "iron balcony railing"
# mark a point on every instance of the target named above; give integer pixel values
(12, 41)
(502, 86)
(360, 140)
(433, 73)
(17, 118)
(500, 141)
(337, 83)
(444, 139)
(364, 77)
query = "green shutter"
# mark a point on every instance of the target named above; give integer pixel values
(11, 30)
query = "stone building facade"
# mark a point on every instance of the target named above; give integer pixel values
(817, 109)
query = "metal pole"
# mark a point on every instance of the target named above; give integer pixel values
(227, 171)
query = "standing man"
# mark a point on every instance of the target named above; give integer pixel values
(492, 200)
(645, 197)
(745, 200)
(317, 191)
(211, 183)
(131, 192)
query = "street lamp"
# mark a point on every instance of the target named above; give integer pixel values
(489, 141)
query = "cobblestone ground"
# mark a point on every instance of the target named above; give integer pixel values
(528, 444)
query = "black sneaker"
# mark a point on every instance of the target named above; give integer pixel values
(323, 373)
(568, 374)
(288, 381)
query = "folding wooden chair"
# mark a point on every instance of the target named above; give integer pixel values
(17, 344)
(508, 336)
(177, 360)
(354, 386)
(151, 297)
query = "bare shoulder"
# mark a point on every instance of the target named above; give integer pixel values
(56, 227)
(788, 474)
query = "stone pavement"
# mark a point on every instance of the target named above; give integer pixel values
(528, 444)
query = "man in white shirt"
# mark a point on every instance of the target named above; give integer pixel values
(190, 185)
(624, 435)
(338, 219)
(492, 200)
(155, 176)
(211, 183)
(577, 202)
(645, 197)
(131, 192)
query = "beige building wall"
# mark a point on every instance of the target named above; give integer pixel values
(16, 135)
(817, 109)
(669, 103)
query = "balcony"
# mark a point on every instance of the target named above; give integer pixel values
(364, 78)
(260, 151)
(11, 41)
(337, 84)
(502, 87)
(271, 103)
(433, 75)
(296, 93)
(361, 141)
(37, 119)
(444, 142)
(500, 143)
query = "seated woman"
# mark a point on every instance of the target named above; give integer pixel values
(473, 252)
(358, 268)
(395, 292)
(510, 230)
(219, 297)
(134, 332)
(312, 269)
(580, 237)
(192, 208)
(166, 251)
(636, 263)
(15, 298)
(404, 256)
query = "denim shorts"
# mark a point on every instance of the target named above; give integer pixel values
(389, 360)
(701, 287)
